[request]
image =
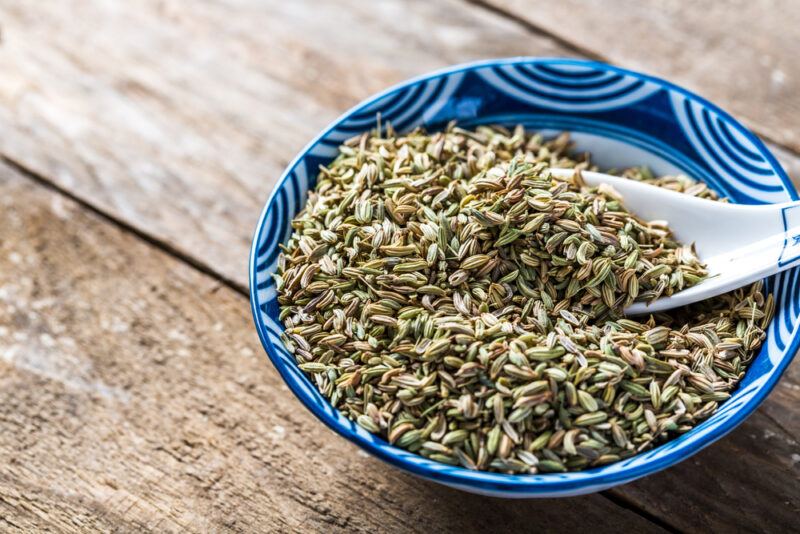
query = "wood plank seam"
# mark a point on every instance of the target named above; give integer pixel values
(120, 223)
(195, 449)
(623, 501)
(40, 181)
(591, 54)
(539, 30)
(613, 496)
(111, 168)
(616, 498)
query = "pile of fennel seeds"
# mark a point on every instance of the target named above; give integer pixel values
(448, 294)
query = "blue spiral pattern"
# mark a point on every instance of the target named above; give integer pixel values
(677, 129)
(407, 108)
(729, 153)
(568, 88)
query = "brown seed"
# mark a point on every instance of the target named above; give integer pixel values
(447, 293)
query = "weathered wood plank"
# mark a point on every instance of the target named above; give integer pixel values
(134, 396)
(742, 55)
(167, 119)
(137, 385)
(747, 482)
(179, 120)
(785, 402)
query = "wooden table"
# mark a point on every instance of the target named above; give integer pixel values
(139, 142)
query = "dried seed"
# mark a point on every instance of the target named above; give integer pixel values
(447, 293)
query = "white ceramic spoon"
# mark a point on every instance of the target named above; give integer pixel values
(738, 243)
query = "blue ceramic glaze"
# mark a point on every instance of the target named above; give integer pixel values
(625, 119)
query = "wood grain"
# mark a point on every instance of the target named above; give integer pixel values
(133, 392)
(742, 54)
(747, 482)
(179, 120)
(134, 396)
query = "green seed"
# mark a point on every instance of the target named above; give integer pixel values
(444, 291)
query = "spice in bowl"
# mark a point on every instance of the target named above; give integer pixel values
(446, 292)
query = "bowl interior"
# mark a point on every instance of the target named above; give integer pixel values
(624, 119)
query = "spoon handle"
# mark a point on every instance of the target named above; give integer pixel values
(790, 215)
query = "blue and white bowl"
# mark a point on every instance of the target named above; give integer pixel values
(625, 119)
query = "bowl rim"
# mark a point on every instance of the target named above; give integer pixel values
(500, 484)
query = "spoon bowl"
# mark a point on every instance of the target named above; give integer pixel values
(739, 243)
